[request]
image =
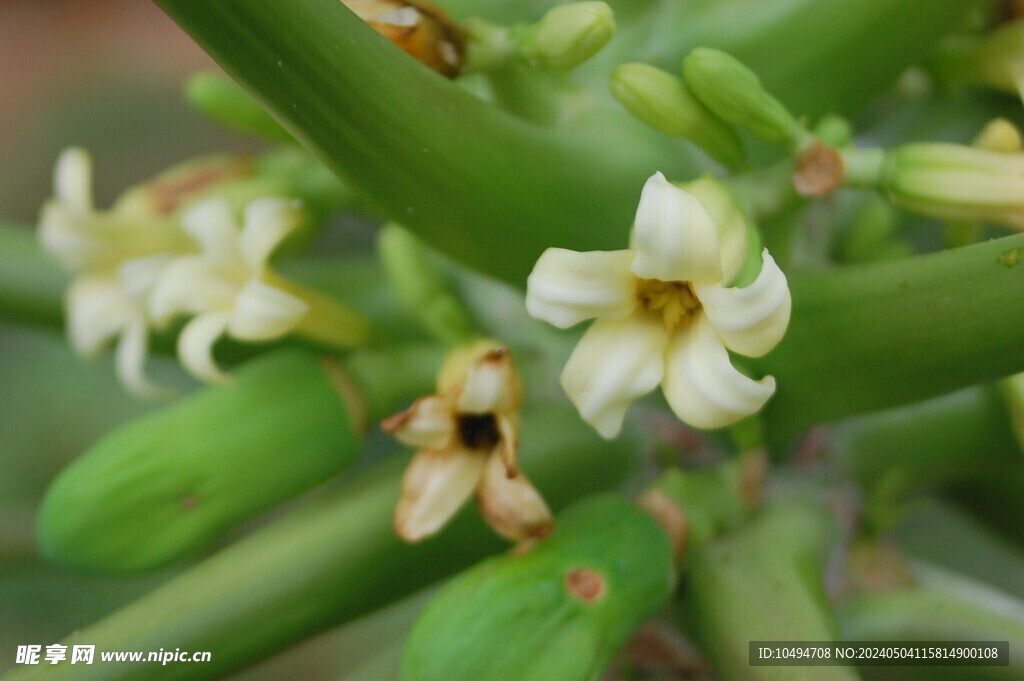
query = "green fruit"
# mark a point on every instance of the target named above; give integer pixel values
(163, 486)
(556, 610)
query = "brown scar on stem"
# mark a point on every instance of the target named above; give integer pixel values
(819, 170)
(585, 584)
(189, 501)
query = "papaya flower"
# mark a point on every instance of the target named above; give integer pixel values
(467, 434)
(229, 288)
(664, 314)
(117, 254)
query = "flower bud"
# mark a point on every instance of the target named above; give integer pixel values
(554, 610)
(734, 92)
(164, 485)
(664, 102)
(998, 134)
(568, 35)
(956, 182)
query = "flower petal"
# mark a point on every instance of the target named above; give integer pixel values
(428, 423)
(508, 429)
(730, 223)
(195, 345)
(97, 310)
(212, 225)
(490, 384)
(190, 285)
(268, 221)
(436, 484)
(614, 363)
(72, 180)
(138, 276)
(263, 312)
(675, 236)
(751, 320)
(131, 356)
(512, 506)
(701, 384)
(566, 287)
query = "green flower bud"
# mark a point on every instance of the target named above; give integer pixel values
(568, 35)
(166, 484)
(421, 287)
(664, 102)
(556, 610)
(956, 182)
(734, 92)
(224, 101)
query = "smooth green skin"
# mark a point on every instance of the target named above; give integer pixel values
(762, 583)
(31, 286)
(901, 452)
(325, 563)
(513, 618)
(869, 337)
(734, 92)
(950, 537)
(951, 611)
(164, 485)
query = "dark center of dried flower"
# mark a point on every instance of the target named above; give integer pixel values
(479, 431)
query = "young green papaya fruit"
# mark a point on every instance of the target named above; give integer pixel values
(555, 610)
(163, 486)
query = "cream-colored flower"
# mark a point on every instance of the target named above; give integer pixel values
(102, 307)
(468, 435)
(83, 238)
(664, 314)
(228, 286)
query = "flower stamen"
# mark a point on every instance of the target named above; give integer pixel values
(674, 301)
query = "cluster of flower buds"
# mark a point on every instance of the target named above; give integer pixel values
(171, 248)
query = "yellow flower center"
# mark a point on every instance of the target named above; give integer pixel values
(674, 301)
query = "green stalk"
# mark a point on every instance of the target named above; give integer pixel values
(474, 182)
(323, 564)
(898, 453)
(869, 337)
(943, 606)
(31, 286)
(763, 583)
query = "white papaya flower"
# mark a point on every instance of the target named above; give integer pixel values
(228, 286)
(664, 314)
(102, 307)
(468, 434)
(82, 238)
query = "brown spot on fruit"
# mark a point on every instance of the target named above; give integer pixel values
(585, 584)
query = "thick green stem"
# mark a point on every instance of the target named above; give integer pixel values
(471, 180)
(763, 583)
(875, 336)
(902, 452)
(325, 563)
